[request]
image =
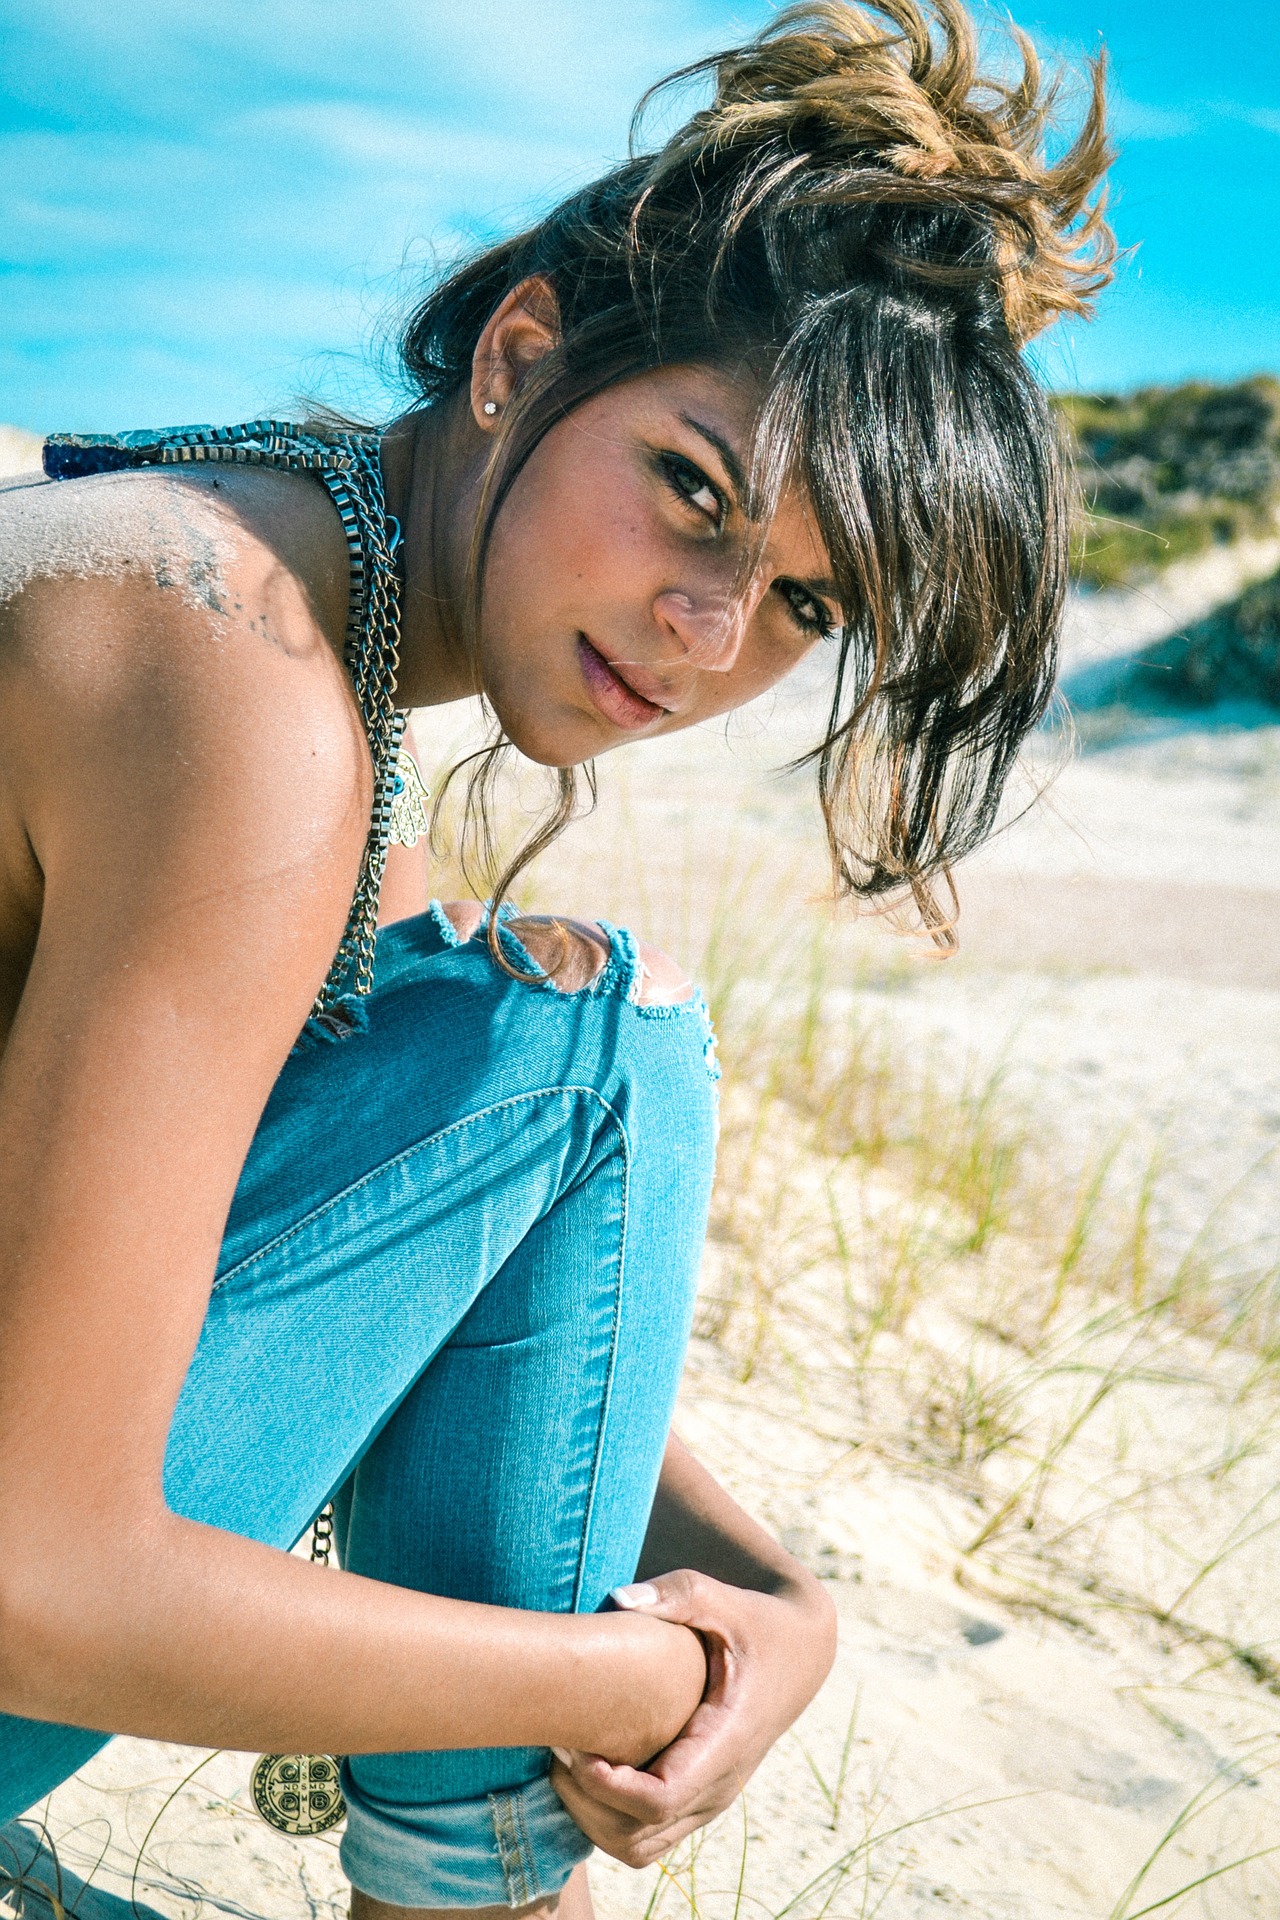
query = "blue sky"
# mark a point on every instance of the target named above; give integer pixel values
(206, 205)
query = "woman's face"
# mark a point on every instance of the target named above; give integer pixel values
(612, 605)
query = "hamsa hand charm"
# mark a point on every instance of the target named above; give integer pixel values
(298, 1792)
(409, 798)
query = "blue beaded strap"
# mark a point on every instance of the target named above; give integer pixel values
(349, 466)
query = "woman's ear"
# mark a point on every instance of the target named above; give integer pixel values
(517, 334)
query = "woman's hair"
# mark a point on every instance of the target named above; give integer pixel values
(868, 222)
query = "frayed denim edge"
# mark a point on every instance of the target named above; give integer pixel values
(621, 975)
(347, 1016)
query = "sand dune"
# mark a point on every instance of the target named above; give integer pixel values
(1121, 619)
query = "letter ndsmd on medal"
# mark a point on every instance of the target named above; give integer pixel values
(298, 1792)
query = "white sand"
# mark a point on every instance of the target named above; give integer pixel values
(110, 525)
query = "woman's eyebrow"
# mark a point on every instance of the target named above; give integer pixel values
(821, 586)
(728, 457)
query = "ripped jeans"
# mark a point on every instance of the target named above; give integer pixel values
(454, 1292)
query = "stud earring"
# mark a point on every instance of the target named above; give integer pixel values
(490, 407)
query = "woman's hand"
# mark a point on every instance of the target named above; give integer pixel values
(767, 1655)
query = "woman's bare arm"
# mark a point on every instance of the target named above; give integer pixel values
(770, 1632)
(198, 829)
(696, 1524)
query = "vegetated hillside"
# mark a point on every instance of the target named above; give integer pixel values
(1169, 471)
(1234, 655)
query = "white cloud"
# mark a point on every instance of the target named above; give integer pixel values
(1266, 119)
(1147, 120)
(353, 133)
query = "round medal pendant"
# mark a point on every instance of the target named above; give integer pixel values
(298, 1792)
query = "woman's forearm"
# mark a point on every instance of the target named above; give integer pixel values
(187, 1633)
(696, 1524)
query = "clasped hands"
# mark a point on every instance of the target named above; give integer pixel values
(767, 1655)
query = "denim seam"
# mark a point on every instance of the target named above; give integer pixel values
(606, 1387)
(408, 1153)
(511, 1833)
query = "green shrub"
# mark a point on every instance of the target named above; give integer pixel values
(1167, 472)
(1233, 655)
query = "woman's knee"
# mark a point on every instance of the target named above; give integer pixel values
(663, 981)
(572, 952)
(575, 952)
(464, 916)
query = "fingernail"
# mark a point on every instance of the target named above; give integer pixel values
(640, 1595)
(563, 1755)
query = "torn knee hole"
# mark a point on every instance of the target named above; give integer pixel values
(464, 916)
(572, 952)
(663, 981)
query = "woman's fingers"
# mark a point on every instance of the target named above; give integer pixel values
(685, 1597)
(637, 1814)
(752, 1692)
(642, 1797)
(637, 1842)
(605, 1826)
(646, 1800)
(648, 1847)
(696, 1770)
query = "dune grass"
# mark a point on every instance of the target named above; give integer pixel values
(868, 1176)
(1168, 472)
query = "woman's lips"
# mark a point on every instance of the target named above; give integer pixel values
(610, 693)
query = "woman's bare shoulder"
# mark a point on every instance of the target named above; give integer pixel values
(176, 543)
(212, 587)
(114, 526)
(170, 649)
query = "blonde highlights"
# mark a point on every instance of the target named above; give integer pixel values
(898, 90)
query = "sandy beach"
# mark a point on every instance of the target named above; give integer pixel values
(1024, 1418)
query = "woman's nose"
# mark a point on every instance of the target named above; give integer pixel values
(710, 629)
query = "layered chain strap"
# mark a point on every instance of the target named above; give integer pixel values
(372, 655)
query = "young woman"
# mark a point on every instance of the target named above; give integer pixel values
(758, 392)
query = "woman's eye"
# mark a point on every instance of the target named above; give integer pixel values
(692, 484)
(808, 613)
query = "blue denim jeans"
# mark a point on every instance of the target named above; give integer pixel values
(454, 1293)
